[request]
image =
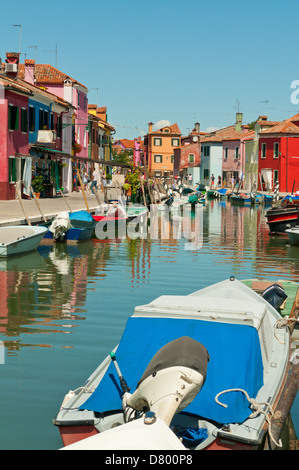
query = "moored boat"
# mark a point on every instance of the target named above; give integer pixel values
(208, 374)
(71, 227)
(242, 199)
(279, 219)
(15, 240)
(293, 235)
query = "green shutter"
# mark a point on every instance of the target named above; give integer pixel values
(12, 169)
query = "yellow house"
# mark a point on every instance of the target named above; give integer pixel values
(106, 130)
(159, 148)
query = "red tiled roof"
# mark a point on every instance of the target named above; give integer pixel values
(227, 133)
(284, 127)
(25, 87)
(127, 143)
(46, 73)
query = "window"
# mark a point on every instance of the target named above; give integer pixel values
(175, 142)
(225, 153)
(78, 98)
(157, 141)
(275, 176)
(58, 127)
(237, 155)
(13, 117)
(158, 158)
(276, 149)
(12, 169)
(206, 173)
(172, 158)
(206, 151)
(191, 158)
(263, 155)
(31, 119)
(24, 120)
(166, 131)
(43, 119)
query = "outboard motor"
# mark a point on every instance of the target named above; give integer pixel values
(169, 201)
(275, 295)
(173, 378)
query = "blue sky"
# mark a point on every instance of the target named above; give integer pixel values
(181, 61)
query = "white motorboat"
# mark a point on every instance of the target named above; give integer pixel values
(293, 234)
(15, 240)
(202, 371)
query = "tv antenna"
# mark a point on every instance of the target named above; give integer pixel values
(53, 50)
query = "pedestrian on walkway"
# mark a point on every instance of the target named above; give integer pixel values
(219, 181)
(190, 179)
(212, 181)
(94, 183)
(85, 180)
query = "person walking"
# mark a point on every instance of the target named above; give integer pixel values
(85, 180)
(212, 181)
(94, 183)
(190, 179)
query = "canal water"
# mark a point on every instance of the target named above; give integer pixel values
(64, 308)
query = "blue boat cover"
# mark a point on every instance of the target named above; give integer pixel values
(81, 215)
(235, 362)
(222, 190)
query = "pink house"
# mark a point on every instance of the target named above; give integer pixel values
(233, 159)
(30, 117)
(13, 138)
(69, 89)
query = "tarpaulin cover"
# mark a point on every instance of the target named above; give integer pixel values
(235, 362)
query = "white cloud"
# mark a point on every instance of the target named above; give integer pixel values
(161, 124)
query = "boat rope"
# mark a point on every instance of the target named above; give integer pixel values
(84, 390)
(281, 323)
(257, 410)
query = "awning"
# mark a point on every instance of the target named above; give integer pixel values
(58, 153)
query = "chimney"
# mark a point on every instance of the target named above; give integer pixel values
(12, 64)
(29, 71)
(197, 127)
(239, 119)
(150, 127)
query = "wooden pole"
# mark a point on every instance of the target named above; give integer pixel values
(61, 192)
(83, 191)
(148, 186)
(23, 208)
(284, 405)
(157, 189)
(97, 196)
(142, 189)
(37, 203)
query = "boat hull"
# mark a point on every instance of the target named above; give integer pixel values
(281, 219)
(293, 234)
(243, 201)
(24, 239)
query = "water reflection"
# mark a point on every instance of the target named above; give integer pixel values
(46, 292)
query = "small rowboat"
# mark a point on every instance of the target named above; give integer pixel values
(15, 240)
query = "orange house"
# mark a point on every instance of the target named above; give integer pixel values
(159, 148)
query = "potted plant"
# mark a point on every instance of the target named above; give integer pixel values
(77, 148)
(108, 178)
(38, 185)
